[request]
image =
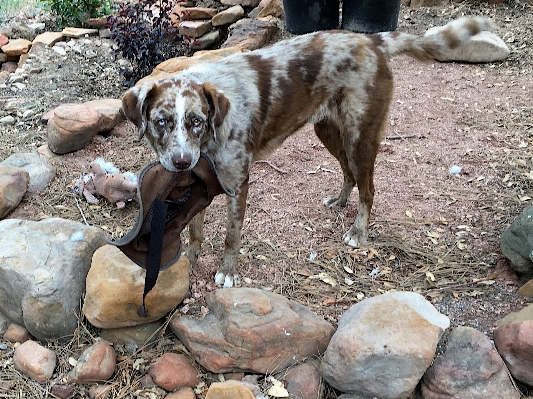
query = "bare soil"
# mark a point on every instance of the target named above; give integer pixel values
(431, 231)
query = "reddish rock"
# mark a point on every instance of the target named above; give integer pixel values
(252, 330)
(110, 111)
(228, 390)
(515, 345)
(172, 371)
(16, 333)
(100, 391)
(62, 391)
(470, 368)
(183, 393)
(304, 380)
(16, 47)
(97, 363)
(77, 118)
(14, 183)
(35, 361)
(3, 40)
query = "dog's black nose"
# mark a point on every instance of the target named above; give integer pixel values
(182, 160)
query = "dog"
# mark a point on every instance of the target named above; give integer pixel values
(240, 109)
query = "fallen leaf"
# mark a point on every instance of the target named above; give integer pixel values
(430, 276)
(455, 294)
(360, 295)
(348, 270)
(277, 389)
(487, 282)
(409, 214)
(348, 281)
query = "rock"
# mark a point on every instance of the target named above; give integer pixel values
(195, 28)
(3, 40)
(136, 335)
(110, 110)
(115, 286)
(16, 333)
(35, 361)
(79, 32)
(191, 13)
(228, 390)
(483, 47)
(172, 371)
(16, 47)
(98, 22)
(72, 127)
(252, 330)
(272, 8)
(100, 391)
(516, 317)
(42, 268)
(527, 289)
(470, 368)
(250, 34)
(48, 38)
(97, 363)
(515, 345)
(517, 243)
(205, 41)
(245, 3)
(229, 16)
(303, 380)
(9, 67)
(62, 391)
(39, 169)
(4, 75)
(383, 346)
(14, 183)
(183, 393)
(7, 120)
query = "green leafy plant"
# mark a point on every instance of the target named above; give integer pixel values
(76, 12)
(144, 34)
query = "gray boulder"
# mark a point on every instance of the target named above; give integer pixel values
(38, 167)
(517, 243)
(43, 266)
(383, 346)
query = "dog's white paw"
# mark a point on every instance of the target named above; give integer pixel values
(226, 280)
(334, 202)
(354, 239)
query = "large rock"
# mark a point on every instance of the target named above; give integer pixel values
(517, 243)
(515, 345)
(228, 16)
(252, 330)
(110, 110)
(482, 47)
(16, 47)
(39, 169)
(469, 369)
(383, 346)
(72, 127)
(14, 183)
(250, 33)
(42, 269)
(115, 286)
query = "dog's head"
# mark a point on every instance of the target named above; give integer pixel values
(176, 116)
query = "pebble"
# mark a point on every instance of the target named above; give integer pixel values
(7, 120)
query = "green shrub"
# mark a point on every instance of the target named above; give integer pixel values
(76, 12)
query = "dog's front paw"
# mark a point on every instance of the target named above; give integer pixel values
(227, 280)
(334, 202)
(355, 238)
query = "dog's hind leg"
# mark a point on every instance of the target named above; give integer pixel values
(196, 237)
(329, 135)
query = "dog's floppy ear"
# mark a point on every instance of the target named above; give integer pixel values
(135, 104)
(218, 105)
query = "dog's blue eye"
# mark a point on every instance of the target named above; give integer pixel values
(162, 122)
(197, 122)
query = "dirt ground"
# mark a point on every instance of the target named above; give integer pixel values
(431, 232)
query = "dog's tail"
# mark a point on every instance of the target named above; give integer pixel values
(436, 41)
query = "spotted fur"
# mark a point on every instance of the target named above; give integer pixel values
(243, 107)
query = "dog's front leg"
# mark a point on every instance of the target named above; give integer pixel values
(196, 237)
(236, 207)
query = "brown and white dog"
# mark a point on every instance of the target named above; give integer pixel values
(240, 109)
